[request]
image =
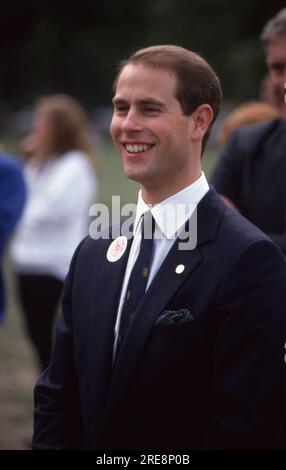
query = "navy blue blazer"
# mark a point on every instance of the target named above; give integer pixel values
(252, 173)
(216, 380)
(12, 200)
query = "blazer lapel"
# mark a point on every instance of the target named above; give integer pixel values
(104, 305)
(210, 210)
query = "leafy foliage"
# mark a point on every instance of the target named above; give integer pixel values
(60, 46)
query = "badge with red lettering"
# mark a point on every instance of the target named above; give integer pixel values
(116, 249)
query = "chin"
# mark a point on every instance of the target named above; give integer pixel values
(133, 174)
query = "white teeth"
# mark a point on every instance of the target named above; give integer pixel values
(136, 148)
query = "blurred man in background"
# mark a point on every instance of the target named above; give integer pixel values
(251, 173)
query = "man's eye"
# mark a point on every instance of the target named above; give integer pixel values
(151, 110)
(121, 110)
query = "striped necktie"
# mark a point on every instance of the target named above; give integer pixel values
(139, 276)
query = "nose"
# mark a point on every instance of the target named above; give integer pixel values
(131, 122)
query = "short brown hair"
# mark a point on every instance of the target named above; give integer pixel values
(275, 27)
(197, 83)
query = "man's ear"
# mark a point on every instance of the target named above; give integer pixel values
(202, 118)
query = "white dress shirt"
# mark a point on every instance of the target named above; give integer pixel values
(170, 216)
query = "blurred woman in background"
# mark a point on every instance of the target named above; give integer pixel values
(59, 169)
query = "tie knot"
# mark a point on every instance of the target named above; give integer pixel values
(148, 226)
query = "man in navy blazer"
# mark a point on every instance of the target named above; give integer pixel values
(201, 362)
(250, 173)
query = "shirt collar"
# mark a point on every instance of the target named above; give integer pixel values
(172, 213)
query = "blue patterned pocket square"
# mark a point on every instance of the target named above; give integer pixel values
(174, 317)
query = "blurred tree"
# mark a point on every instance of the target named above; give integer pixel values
(59, 46)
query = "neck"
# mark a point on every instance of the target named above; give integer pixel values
(157, 194)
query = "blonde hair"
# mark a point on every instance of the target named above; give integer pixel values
(66, 127)
(248, 113)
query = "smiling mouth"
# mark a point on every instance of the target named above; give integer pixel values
(137, 148)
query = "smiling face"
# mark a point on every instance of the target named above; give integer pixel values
(276, 62)
(151, 133)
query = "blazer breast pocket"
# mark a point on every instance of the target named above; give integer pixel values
(174, 324)
(170, 318)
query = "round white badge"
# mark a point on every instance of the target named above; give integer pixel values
(180, 269)
(116, 249)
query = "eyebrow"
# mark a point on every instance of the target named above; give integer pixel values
(146, 101)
